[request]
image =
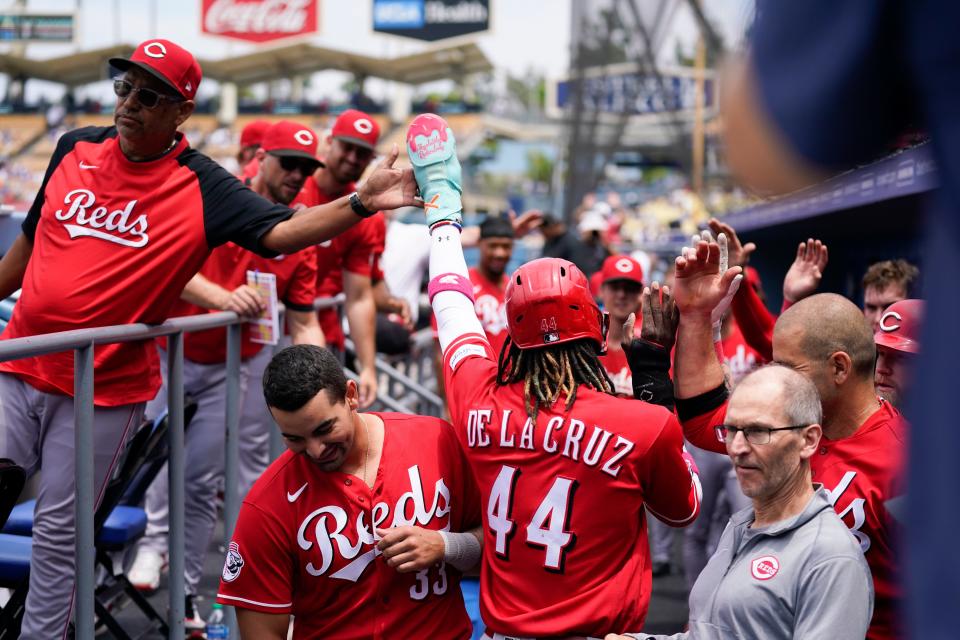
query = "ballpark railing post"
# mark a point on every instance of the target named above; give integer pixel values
(231, 499)
(175, 471)
(276, 441)
(83, 444)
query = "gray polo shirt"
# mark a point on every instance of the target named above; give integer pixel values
(803, 578)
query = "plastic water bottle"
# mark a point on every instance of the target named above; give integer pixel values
(217, 628)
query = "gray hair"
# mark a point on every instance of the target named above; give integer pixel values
(800, 400)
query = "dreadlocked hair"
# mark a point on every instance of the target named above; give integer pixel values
(549, 371)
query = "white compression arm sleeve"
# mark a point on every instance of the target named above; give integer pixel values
(461, 550)
(454, 311)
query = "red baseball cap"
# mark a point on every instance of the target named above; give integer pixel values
(900, 326)
(252, 134)
(288, 138)
(621, 268)
(168, 62)
(357, 128)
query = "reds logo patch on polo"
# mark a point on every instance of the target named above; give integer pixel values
(764, 567)
(233, 564)
(363, 125)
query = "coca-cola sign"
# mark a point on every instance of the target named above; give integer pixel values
(259, 20)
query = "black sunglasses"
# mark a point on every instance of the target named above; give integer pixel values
(292, 163)
(147, 97)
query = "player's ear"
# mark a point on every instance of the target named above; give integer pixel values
(353, 395)
(184, 111)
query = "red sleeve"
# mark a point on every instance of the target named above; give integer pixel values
(755, 320)
(302, 289)
(699, 430)
(671, 486)
(469, 367)
(470, 515)
(258, 572)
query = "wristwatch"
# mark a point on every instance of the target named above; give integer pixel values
(358, 207)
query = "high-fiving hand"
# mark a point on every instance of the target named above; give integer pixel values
(701, 287)
(389, 187)
(805, 273)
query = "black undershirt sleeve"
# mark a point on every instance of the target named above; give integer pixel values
(706, 402)
(231, 211)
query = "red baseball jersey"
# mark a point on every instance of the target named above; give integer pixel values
(862, 473)
(227, 266)
(564, 499)
(491, 307)
(304, 543)
(739, 356)
(355, 250)
(114, 242)
(615, 362)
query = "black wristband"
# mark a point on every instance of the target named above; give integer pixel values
(688, 408)
(358, 207)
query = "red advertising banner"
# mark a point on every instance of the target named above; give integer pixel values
(259, 20)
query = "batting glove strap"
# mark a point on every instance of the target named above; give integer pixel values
(461, 550)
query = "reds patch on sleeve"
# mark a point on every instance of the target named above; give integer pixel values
(464, 352)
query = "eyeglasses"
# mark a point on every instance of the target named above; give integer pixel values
(147, 97)
(754, 434)
(290, 163)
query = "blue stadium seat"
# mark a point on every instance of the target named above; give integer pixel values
(123, 525)
(14, 558)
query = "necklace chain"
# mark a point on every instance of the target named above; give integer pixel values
(366, 456)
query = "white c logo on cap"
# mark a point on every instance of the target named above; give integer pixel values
(363, 125)
(151, 50)
(624, 266)
(890, 327)
(304, 137)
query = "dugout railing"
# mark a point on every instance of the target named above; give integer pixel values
(82, 343)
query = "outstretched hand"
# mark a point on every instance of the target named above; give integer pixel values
(805, 273)
(525, 222)
(701, 288)
(660, 318)
(389, 187)
(739, 252)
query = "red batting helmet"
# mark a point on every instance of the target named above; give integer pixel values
(900, 326)
(548, 302)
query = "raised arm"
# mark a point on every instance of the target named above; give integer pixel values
(387, 188)
(433, 152)
(700, 289)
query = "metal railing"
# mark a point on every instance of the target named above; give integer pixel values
(82, 342)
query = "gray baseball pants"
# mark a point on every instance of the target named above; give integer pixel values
(205, 445)
(37, 432)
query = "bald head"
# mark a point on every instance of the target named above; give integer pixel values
(784, 391)
(825, 324)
